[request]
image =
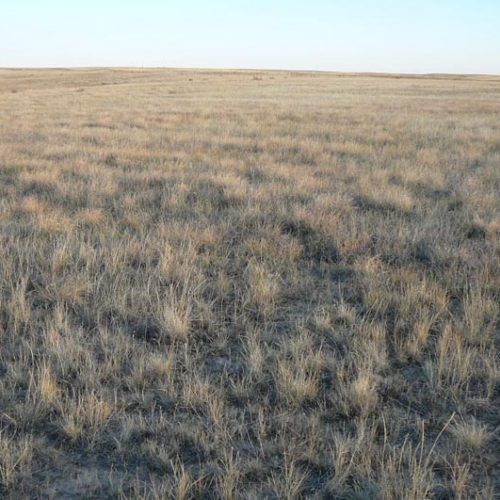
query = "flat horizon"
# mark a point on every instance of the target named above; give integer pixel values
(249, 69)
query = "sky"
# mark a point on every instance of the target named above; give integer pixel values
(403, 36)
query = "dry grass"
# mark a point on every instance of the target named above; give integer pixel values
(248, 285)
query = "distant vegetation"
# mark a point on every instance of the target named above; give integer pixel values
(249, 285)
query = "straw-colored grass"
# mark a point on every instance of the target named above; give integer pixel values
(248, 285)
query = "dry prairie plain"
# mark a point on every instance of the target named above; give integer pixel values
(237, 284)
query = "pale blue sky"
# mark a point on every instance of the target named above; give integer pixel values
(453, 36)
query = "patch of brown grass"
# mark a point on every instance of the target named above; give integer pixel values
(248, 285)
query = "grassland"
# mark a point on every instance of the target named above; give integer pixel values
(249, 285)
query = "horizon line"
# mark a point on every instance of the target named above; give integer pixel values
(236, 69)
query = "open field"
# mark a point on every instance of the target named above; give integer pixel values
(249, 285)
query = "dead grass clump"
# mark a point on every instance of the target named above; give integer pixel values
(91, 217)
(471, 435)
(15, 461)
(263, 289)
(363, 394)
(29, 205)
